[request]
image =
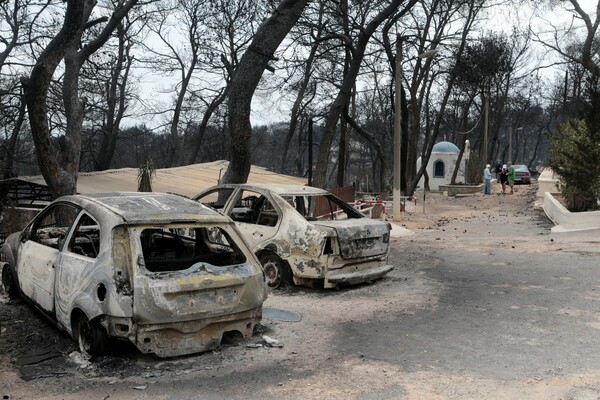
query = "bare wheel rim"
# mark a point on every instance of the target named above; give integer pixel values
(272, 273)
(85, 336)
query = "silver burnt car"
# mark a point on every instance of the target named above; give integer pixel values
(303, 234)
(159, 270)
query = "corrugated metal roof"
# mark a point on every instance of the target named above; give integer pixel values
(187, 180)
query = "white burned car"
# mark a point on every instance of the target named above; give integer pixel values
(159, 270)
(304, 234)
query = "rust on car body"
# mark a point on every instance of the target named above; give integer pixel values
(308, 230)
(159, 270)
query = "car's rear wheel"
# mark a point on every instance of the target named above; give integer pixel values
(9, 286)
(277, 271)
(90, 336)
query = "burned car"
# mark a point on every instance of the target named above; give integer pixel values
(159, 270)
(304, 235)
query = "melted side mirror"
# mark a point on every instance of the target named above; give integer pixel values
(25, 235)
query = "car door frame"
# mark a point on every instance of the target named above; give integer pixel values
(254, 234)
(78, 283)
(36, 262)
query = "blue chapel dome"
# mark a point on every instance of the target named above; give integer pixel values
(445, 147)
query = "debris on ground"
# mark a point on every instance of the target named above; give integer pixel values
(270, 342)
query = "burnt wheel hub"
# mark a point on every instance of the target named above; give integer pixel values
(272, 274)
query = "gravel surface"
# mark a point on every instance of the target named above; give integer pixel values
(484, 303)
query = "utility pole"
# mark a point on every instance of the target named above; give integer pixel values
(310, 151)
(485, 128)
(397, 130)
(519, 129)
(510, 131)
(398, 124)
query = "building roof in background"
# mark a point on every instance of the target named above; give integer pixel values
(445, 147)
(187, 180)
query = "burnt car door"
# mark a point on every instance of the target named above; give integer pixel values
(38, 253)
(74, 267)
(255, 216)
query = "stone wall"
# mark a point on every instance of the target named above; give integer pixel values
(455, 190)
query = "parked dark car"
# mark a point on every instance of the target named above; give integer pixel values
(522, 174)
(159, 270)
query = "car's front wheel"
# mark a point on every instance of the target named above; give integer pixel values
(277, 271)
(90, 336)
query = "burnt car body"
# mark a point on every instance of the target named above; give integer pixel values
(304, 234)
(522, 174)
(159, 270)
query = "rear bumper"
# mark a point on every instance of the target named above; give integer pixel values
(180, 338)
(356, 273)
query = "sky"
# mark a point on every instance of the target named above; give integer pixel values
(270, 107)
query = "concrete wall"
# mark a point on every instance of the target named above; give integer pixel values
(564, 220)
(457, 190)
(547, 182)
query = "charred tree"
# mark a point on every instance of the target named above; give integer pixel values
(58, 159)
(245, 80)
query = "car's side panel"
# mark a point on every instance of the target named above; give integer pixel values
(78, 286)
(254, 234)
(36, 273)
(292, 238)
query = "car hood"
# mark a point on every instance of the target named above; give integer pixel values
(360, 237)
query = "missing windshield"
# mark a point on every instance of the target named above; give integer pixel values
(322, 207)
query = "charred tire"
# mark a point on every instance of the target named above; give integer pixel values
(9, 285)
(90, 336)
(277, 271)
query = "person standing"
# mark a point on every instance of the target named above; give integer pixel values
(487, 175)
(511, 176)
(498, 169)
(504, 177)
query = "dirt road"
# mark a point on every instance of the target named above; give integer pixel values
(484, 303)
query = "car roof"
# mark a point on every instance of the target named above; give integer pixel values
(137, 207)
(282, 190)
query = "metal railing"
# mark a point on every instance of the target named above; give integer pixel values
(379, 208)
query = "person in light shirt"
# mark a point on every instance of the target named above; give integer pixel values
(487, 175)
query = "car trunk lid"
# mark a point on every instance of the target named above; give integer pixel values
(201, 291)
(360, 237)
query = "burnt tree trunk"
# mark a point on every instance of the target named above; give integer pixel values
(201, 131)
(384, 170)
(246, 77)
(116, 103)
(59, 159)
(60, 180)
(345, 92)
(430, 139)
(463, 140)
(297, 107)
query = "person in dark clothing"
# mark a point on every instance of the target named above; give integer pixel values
(497, 169)
(504, 178)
